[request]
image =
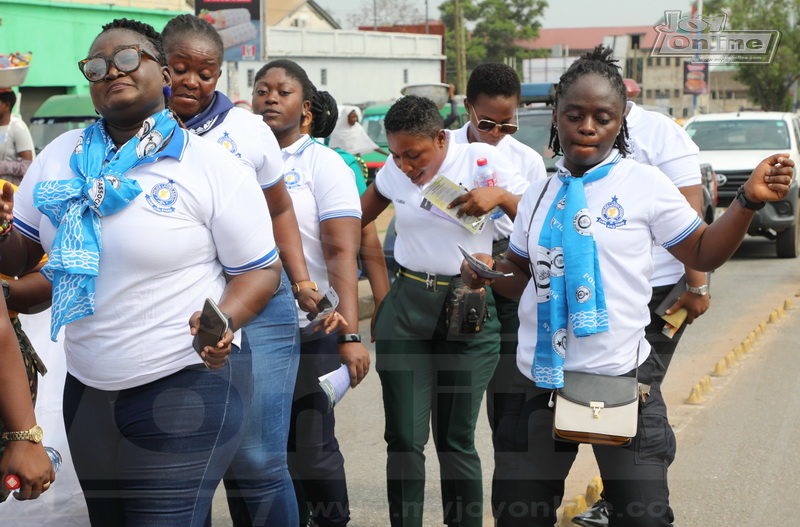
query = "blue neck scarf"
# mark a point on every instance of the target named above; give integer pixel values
(567, 246)
(75, 207)
(213, 115)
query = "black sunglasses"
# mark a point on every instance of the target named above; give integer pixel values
(126, 59)
(485, 125)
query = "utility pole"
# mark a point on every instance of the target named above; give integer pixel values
(461, 44)
(375, 14)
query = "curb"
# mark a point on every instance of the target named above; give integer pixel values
(731, 360)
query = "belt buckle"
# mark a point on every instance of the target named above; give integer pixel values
(430, 282)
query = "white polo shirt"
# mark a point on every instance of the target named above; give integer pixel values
(526, 159)
(633, 206)
(428, 243)
(249, 139)
(659, 141)
(162, 256)
(322, 188)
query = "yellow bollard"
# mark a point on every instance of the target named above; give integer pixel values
(739, 352)
(758, 331)
(780, 312)
(594, 489)
(569, 512)
(696, 396)
(730, 359)
(787, 304)
(752, 336)
(773, 317)
(705, 382)
(720, 369)
(763, 327)
(580, 503)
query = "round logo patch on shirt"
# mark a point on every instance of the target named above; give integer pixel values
(229, 144)
(292, 179)
(163, 196)
(613, 214)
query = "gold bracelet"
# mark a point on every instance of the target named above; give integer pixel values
(304, 284)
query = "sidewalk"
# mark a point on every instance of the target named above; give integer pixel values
(365, 304)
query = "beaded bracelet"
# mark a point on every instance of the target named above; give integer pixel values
(5, 228)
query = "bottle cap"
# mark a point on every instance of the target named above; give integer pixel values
(482, 162)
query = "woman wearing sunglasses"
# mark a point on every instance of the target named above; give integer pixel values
(493, 95)
(430, 370)
(139, 230)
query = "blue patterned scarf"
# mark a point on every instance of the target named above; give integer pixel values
(213, 115)
(75, 207)
(568, 251)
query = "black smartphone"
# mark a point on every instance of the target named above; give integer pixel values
(213, 325)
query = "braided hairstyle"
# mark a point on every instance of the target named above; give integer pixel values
(193, 26)
(414, 115)
(596, 62)
(324, 114)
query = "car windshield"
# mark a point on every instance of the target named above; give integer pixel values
(373, 124)
(739, 134)
(534, 131)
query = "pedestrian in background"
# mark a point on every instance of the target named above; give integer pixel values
(16, 143)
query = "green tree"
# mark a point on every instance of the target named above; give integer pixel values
(496, 25)
(769, 85)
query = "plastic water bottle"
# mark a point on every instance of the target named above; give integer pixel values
(12, 482)
(484, 177)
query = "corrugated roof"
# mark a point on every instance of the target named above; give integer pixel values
(586, 38)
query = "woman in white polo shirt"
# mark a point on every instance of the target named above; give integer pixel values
(139, 230)
(328, 213)
(586, 236)
(428, 375)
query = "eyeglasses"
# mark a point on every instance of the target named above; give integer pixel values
(485, 125)
(126, 59)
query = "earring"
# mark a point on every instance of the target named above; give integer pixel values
(167, 92)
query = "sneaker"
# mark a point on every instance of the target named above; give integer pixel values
(597, 516)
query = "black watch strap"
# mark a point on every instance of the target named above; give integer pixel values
(348, 337)
(746, 203)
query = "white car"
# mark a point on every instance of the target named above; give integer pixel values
(734, 143)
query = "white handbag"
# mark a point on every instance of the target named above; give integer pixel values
(598, 409)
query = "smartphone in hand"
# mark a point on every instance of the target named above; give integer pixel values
(213, 326)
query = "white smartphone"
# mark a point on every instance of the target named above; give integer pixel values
(213, 326)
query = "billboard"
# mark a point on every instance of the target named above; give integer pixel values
(238, 23)
(695, 78)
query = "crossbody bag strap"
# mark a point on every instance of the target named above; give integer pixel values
(530, 222)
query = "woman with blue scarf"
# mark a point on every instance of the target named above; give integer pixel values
(258, 484)
(580, 255)
(140, 229)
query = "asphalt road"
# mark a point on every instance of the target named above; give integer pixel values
(736, 464)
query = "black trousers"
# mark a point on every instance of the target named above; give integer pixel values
(663, 345)
(530, 466)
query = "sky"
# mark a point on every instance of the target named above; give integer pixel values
(561, 13)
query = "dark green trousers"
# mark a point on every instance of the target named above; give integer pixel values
(432, 381)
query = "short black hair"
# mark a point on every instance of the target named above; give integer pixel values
(146, 30)
(193, 26)
(595, 62)
(493, 79)
(294, 71)
(324, 114)
(8, 96)
(414, 115)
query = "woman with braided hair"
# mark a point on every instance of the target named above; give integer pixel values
(581, 258)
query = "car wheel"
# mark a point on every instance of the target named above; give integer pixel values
(787, 243)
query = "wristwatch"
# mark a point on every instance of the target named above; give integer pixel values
(746, 203)
(348, 337)
(701, 290)
(304, 284)
(34, 435)
(6, 289)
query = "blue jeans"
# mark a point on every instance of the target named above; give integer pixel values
(258, 485)
(153, 455)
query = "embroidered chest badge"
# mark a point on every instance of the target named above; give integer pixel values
(229, 144)
(613, 214)
(292, 179)
(163, 196)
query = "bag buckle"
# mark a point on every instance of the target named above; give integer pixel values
(430, 282)
(596, 406)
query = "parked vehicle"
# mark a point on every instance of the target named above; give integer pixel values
(734, 143)
(59, 114)
(710, 193)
